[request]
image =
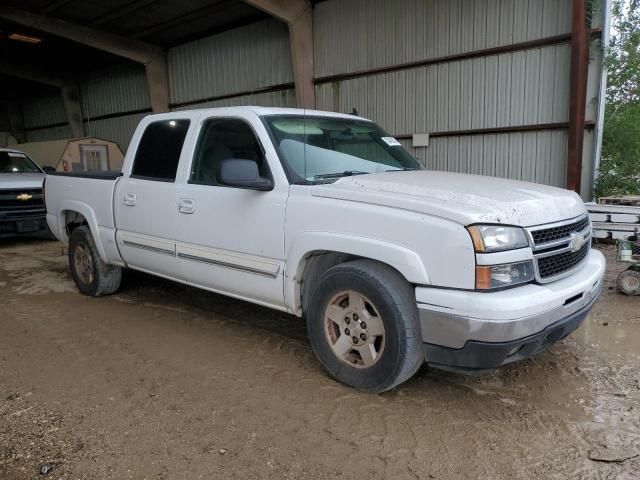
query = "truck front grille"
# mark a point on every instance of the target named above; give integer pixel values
(559, 248)
(16, 200)
(546, 235)
(554, 265)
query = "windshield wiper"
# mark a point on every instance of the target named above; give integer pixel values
(347, 173)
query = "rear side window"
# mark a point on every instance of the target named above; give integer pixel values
(159, 150)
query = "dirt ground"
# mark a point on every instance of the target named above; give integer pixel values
(162, 381)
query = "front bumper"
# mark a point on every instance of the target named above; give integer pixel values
(20, 225)
(479, 331)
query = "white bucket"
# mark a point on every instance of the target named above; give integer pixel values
(625, 252)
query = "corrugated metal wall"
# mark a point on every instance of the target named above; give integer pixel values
(247, 58)
(118, 89)
(283, 98)
(45, 108)
(524, 87)
(376, 33)
(118, 129)
(511, 89)
(529, 86)
(49, 133)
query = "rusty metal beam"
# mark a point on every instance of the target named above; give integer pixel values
(298, 15)
(151, 56)
(457, 57)
(578, 93)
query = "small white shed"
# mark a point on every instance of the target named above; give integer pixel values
(88, 154)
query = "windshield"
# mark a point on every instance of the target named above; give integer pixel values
(323, 149)
(17, 162)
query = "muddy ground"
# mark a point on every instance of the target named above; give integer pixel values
(162, 381)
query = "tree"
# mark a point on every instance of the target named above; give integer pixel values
(620, 163)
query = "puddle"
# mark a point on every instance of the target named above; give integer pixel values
(614, 338)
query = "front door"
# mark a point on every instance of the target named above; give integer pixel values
(231, 240)
(145, 200)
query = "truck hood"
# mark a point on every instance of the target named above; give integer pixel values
(461, 198)
(17, 181)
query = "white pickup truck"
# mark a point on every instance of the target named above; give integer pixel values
(326, 217)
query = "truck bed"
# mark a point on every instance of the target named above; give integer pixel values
(88, 193)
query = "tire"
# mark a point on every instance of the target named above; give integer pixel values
(93, 277)
(629, 282)
(382, 297)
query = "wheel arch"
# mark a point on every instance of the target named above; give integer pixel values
(311, 254)
(74, 214)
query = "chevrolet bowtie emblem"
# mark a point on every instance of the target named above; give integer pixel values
(577, 241)
(23, 197)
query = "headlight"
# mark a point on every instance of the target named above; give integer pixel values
(505, 275)
(496, 238)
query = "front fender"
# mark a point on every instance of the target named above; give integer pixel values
(406, 261)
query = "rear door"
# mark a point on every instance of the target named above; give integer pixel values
(231, 240)
(145, 199)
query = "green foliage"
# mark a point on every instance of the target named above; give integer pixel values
(620, 163)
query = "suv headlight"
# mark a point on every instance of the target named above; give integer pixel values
(496, 238)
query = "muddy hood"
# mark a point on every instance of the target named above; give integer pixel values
(462, 198)
(17, 181)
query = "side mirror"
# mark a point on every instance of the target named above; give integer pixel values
(48, 169)
(239, 173)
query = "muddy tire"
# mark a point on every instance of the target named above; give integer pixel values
(364, 327)
(629, 282)
(93, 277)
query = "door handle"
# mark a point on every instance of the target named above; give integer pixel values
(129, 199)
(186, 205)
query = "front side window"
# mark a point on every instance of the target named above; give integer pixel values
(17, 162)
(158, 152)
(223, 139)
(323, 149)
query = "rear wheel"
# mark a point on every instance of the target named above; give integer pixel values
(363, 325)
(93, 277)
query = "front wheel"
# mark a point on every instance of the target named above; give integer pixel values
(363, 325)
(93, 277)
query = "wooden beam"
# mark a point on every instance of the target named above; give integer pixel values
(301, 40)
(286, 10)
(578, 93)
(118, 45)
(71, 99)
(151, 56)
(298, 15)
